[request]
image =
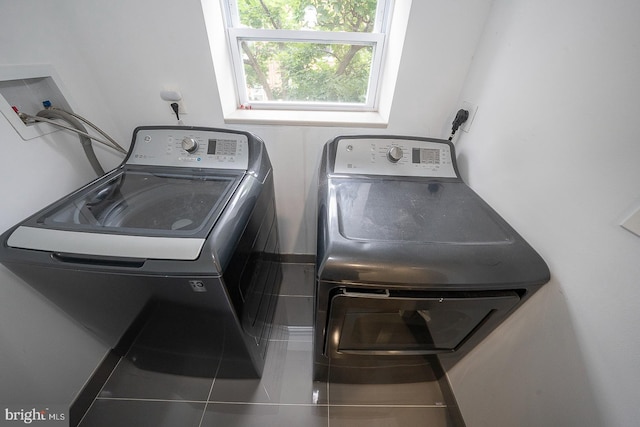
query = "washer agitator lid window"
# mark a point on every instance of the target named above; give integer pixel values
(136, 213)
(149, 203)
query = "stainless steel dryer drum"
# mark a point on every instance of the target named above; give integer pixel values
(176, 247)
(411, 263)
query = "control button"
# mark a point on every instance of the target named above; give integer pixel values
(190, 145)
(394, 154)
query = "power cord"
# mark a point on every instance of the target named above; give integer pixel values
(461, 117)
(176, 110)
(175, 107)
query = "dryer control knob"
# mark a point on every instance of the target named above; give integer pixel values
(190, 145)
(394, 154)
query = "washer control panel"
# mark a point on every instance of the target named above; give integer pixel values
(394, 156)
(190, 148)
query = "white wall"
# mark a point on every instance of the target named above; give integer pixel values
(554, 148)
(114, 58)
(44, 356)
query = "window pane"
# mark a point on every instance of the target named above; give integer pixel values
(306, 72)
(324, 15)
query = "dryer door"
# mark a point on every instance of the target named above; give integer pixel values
(387, 324)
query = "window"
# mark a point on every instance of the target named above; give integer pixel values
(307, 54)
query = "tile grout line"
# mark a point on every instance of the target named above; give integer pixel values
(206, 405)
(222, 402)
(150, 399)
(328, 396)
(296, 295)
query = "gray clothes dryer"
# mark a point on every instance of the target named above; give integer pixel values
(177, 248)
(411, 263)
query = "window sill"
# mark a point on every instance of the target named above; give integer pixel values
(308, 118)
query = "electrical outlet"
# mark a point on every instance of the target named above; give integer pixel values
(472, 109)
(181, 108)
(172, 96)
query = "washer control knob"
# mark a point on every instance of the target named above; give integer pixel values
(190, 145)
(394, 154)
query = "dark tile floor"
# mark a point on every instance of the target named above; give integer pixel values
(286, 395)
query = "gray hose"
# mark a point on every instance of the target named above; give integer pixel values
(114, 144)
(85, 141)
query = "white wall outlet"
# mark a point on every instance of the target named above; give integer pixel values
(472, 109)
(182, 110)
(171, 96)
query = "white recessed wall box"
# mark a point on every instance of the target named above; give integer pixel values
(25, 87)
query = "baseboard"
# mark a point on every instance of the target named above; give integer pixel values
(90, 391)
(298, 258)
(447, 393)
(94, 384)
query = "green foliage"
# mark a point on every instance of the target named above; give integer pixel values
(300, 71)
(352, 16)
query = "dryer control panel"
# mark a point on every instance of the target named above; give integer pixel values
(394, 156)
(190, 148)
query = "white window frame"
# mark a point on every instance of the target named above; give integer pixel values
(232, 113)
(236, 34)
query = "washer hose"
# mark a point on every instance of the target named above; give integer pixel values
(84, 140)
